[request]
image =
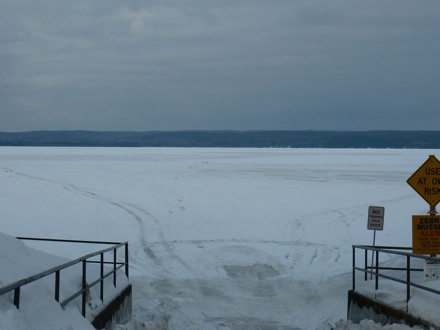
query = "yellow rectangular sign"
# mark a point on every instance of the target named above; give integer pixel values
(426, 234)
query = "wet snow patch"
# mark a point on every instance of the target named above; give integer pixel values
(257, 271)
(247, 323)
(241, 261)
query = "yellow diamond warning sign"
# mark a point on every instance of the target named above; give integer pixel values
(426, 181)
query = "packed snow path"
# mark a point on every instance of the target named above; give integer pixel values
(219, 238)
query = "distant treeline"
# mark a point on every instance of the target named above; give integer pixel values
(232, 139)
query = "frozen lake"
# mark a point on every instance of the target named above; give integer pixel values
(219, 238)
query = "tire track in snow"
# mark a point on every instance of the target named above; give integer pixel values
(297, 227)
(308, 253)
(72, 188)
(126, 208)
(129, 208)
(236, 241)
(339, 224)
(163, 241)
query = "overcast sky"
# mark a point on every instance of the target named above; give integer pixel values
(202, 64)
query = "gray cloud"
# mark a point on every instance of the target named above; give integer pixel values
(168, 65)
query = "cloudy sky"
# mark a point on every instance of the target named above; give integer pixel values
(224, 64)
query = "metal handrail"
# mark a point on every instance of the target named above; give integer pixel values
(16, 286)
(375, 270)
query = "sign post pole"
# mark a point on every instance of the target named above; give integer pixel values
(432, 212)
(372, 255)
(375, 222)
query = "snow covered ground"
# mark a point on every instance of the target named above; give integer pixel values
(219, 238)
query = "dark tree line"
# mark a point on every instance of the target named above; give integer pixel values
(249, 139)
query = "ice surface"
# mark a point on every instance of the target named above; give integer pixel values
(219, 238)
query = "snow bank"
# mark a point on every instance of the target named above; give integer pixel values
(38, 308)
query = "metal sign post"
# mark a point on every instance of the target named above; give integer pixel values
(376, 216)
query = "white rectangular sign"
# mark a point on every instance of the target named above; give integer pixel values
(376, 217)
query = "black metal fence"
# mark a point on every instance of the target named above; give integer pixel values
(84, 260)
(404, 275)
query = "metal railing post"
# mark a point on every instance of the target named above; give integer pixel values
(354, 266)
(126, 259)
(377, 270)
(101, 295)
(408, 279)
(17, 297)
(366, 265)
(57, 286)
(114, 267)
(84, 286)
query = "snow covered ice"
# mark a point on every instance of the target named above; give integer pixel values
(219, 238)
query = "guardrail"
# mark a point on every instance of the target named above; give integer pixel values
(84, 260)
(379, 271)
